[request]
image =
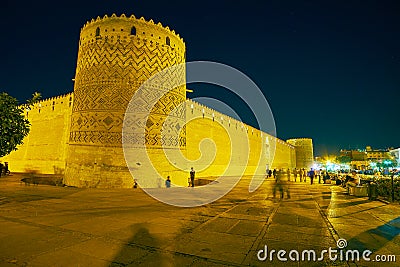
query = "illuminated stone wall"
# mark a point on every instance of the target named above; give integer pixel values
(255, 150)
(44, 149)
(116, 55)
(304, 152)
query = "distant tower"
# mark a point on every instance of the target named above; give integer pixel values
(116, 55)
(304, 152)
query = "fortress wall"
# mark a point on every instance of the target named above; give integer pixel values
(116, 56)
(44, 149)
(218, 145)
(247, 149)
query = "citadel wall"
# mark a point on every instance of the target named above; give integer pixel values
(44, 149)
(239, 148)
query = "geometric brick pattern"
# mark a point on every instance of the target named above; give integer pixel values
(110, 69)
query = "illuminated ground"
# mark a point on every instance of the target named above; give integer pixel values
(55, 226)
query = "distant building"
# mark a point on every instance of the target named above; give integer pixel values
(377, 154)
(362, 159)
(396, 154)
(357, 155)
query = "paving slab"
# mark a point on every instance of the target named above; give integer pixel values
(60, 226)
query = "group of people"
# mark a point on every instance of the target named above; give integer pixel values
(301, 173)
(4, 169)
(282, 177)
(190, 179)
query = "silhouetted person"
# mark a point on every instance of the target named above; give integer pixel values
(295, 174)
(269, 173)
(168, 182)
(192, 174)
(311, 173)
(6, 171)
(274, 174)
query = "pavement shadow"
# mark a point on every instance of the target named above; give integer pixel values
(138, 248)
(147, 249)
(375, 239)
(353, 203)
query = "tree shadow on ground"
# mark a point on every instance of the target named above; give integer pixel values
(377, 238)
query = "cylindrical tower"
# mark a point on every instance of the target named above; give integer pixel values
(116, 55)
(304, 152)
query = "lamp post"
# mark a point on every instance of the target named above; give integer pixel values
(392, 177)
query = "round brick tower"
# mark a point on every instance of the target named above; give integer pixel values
(304, 152)
(116, 55)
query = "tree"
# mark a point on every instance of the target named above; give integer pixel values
(13, 125)
(343, 159)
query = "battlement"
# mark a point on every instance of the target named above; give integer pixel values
(123, 27)
(215, 115)
(53, 103)
(302, 138)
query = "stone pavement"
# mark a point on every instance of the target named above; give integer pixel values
(59, 226)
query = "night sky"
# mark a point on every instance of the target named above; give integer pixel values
(329, 69)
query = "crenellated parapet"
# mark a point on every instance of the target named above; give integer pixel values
(198, 109)
(56, 104)
(123, 26)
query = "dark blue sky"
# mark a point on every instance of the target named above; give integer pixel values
(329, 69)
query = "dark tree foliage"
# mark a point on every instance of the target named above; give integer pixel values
(13, 125)
(343, 159)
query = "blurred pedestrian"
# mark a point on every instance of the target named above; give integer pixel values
(278, 184)
(295, 174)
(301, 175)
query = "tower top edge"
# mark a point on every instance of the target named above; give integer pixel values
(132, 17)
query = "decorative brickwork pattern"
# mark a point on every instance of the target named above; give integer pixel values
(110, 69)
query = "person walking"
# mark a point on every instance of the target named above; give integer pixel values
(274, 174)
(6, 170)
(278, 184)
(192, 174)
(311, 173)
(288, 174)
(301, 175)
(269, 173)
(295, 174)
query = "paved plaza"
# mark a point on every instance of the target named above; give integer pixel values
(60, 226)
